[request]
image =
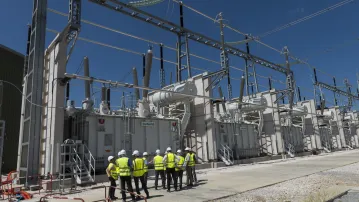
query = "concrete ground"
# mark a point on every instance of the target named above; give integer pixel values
(215, 184)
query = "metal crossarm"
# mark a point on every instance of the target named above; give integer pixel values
(336, 90)
(177, 29)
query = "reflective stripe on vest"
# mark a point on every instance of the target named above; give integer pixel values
(113, 171)
(145, 169)
(191, 160)
(170, 160)
(158, 162)
(122, 164)
(180, 163)
(138, 165)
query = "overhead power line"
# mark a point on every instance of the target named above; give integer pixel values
(330, 8)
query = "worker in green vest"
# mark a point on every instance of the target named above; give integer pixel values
(124, 164)
(170, 160)
(180, 168)
(112, 176)
(189, 162)
(159, 169)
(138, 172)
(145, 176)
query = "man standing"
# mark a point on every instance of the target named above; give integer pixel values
(159, 169)
(112, 176)
(124, 164)
(179, 168)
(145, 156)
(189, 163)
(138, 172)
(170, 160)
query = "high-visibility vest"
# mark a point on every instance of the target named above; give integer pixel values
(170, 160)
(124, 169)
(191, 160)
(145, 168)
(113, 170)
(138, 166)
(180, 163)
(158, 162)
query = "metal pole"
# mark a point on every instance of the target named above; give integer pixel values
(162, 70)
(335, 96)
(224, 57)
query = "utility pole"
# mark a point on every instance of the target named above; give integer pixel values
(224, 57)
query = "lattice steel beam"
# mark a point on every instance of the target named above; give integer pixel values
(174, 28)
(336, 90)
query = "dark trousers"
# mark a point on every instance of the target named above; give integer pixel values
(171, 172)
(145, 176)
(194, 174)
(142, 179)
(112, 189)
(126, 180)
(162, 173)
(189, 172)
(180, 176)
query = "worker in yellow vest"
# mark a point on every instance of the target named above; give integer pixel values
(170, 160)
(124, 164)
(159, 169)
(112, 176)
(189, 162)
(180, 168)
(138, 172)
(145, 176)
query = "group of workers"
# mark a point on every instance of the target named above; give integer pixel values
(172, 164)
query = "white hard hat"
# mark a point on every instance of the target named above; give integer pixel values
(169, 149)
(158, 151)
(187, 149)
(110, 158)
(136, 153)
(145, 154)
(122, 152)
(179, 151)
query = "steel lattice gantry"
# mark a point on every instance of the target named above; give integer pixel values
(178, 30)
(30, 126)
(34, 104)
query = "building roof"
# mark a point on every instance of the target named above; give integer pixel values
(11, 50)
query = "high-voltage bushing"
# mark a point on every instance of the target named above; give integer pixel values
(165, 98)
(297, 111)
(249, 105)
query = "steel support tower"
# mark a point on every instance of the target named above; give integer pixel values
(30, 128)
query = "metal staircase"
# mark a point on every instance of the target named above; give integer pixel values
(290, 149)
(77, 165)
(226, 155)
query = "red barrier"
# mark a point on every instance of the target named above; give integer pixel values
(61, 197)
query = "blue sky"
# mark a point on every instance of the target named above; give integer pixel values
(307, 39)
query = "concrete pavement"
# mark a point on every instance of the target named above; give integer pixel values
(223, 182)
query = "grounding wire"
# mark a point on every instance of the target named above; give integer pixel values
(256, 39)
(26, 97)
(330, 8)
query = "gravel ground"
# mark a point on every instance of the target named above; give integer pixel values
(297, 190)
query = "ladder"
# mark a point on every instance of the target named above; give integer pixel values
(226, 155)
(77, 165)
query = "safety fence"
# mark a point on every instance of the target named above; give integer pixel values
(9, 188)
